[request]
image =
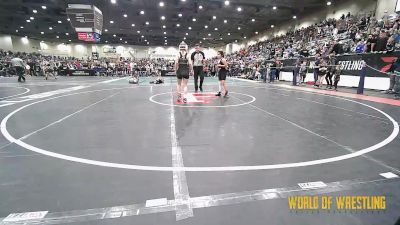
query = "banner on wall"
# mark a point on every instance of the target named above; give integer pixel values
(378, 64)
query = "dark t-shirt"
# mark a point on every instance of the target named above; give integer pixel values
(305, 53)
(369, 42)
(381, 44)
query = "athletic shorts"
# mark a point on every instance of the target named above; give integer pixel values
(182, 74)
(222, 75)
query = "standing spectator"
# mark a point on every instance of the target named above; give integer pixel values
(381, 42)
(316, 68)
(394, 67)
(330, 70)
(338, 71)
(279, 65)
(273, 71)
(322, 72)
(303, 71)
(296, 72)
(19, 67)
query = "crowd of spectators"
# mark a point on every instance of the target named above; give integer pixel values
(38, 64)
(351, 34)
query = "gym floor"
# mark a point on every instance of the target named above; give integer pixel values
(89, 150)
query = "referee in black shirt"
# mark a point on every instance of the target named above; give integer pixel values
(198, 59)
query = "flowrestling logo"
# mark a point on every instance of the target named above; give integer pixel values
(351, 65)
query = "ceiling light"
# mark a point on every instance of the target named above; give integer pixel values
(106, 41)
(215, 29)
(21, 27)
(328, 3)
(272, 26)
(235, 40)
(163, 18)
(147, 23)
(200, 42)
(125, 15)
(67, 34)
(206, 26)
(274, 8)
(204, 38)
(164, 27)
(184, 38)
(120, 39)
(178, 25)
(225, 21)
(28, 21)
(194, 19)
(68, 19)
(113, 1)
(214, 17)
(31, 18)
(229, 34)
(111, 21)
(16, 31)
(57, 37)
(165, 32)
(187, 34)
(59, 21)
(42, 32)
(50, 28)
(145, 40)
(133, 25)
(161, 4)
(105, 30)
(239, 28)
(142, 12)
(34, 11)
(114, 35)
(180, 14)
(190, 28)
(294, 17)
(165, 41)
(244, 37)
(165, 37)
(69, 40)
(209, 34)
(126, 42)
(44, 7)
(239, 9)
(200, 7)
(256, 32)
(148, 42)
(226, 2)
(142, 36)
(220, 38)
(253, 20)
(138, 31)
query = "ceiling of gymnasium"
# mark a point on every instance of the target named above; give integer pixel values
(255, 16)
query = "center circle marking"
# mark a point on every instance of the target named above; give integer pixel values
(9, 137)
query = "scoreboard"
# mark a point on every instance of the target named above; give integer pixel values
(85, 18)
(89, 36)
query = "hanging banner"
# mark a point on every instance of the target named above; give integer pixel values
(377, 64)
